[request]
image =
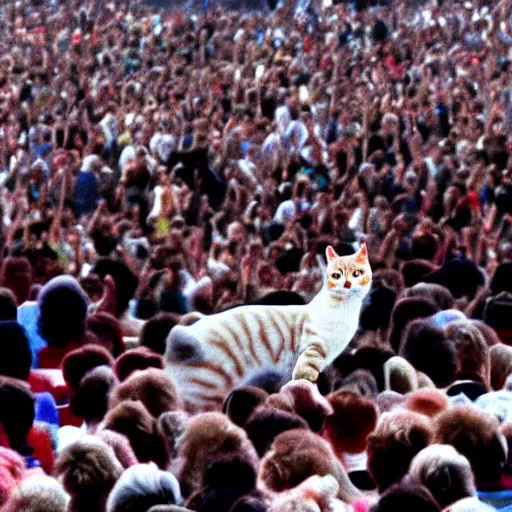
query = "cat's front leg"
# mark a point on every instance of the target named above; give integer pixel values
(311, 362)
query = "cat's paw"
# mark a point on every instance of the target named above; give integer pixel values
(306, 373)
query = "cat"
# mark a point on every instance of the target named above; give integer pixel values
(210, 357)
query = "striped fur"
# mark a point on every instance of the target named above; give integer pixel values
(207, 359)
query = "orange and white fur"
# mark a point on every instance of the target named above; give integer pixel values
(210, 357)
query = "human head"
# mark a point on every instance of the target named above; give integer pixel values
(444, 472)
(152, 387)
(266, 423)
(404, 312)
(227, 479)
(125, 281)
(406, 497)
(16, 359)
(171, 426)
(107, 330)
(398, 437)
(93, 392)
(63, 309)
(435, 292)
(79, 362)
(476, 435)
(16, 274)
(208, 436)
(297, 454)
(353, 419)
(8, 308)
(428, 350)
(473, 360)
(141, 487)
(155, 331)
(414, 270)
(427, 401)
(133, 420)
(377, 308)
(308, 403)
(501, 365)
(361, 382)
(241, 403)
(16, 396)
(12, 469)
(140, 358)
(88, 469)
(38, 493)
(400, 375)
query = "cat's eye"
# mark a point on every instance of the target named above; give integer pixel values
(336, 275)
(358, 273)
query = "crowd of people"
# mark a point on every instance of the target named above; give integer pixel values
(159, 165)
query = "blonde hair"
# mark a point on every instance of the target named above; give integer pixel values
(501, 365)
(39, 493)
(444, 472)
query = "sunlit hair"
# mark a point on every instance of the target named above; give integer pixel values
(444, 472)
(398, 437)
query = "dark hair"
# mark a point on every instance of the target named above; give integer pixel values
(266, 423)
(155, 331)
(424, 246)
(17, 411)
(77, 364)
(92, 396)
(414, 271)
(241, 403)
(107, 328)
(226, 480)
(406, 497)
(134, 421)
(82, 360)
(250, 503)
(399, 436)
(502, 279)
(139, 358)
(427, 349)
(405, 311)
(371, 358)
(281, 298)
(376, 310)
(8, 308)
(125, 280)
(152, 387)
(16, 358)
(63, 309)
(16, 274)
(476, 435)
(472, 351)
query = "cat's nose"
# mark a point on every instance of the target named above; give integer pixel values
(348, 284)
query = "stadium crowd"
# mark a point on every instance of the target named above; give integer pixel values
(157, 165)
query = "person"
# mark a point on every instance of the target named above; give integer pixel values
(159, 164)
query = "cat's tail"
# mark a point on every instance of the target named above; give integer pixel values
(203, 382)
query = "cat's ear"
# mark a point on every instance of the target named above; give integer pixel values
(330, 254)
(362, 254)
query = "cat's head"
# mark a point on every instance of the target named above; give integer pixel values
(348, 276)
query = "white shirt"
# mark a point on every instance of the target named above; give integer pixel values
(286, 211)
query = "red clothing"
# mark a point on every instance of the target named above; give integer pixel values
(51, 358)
(50, 381)
(40, 439)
